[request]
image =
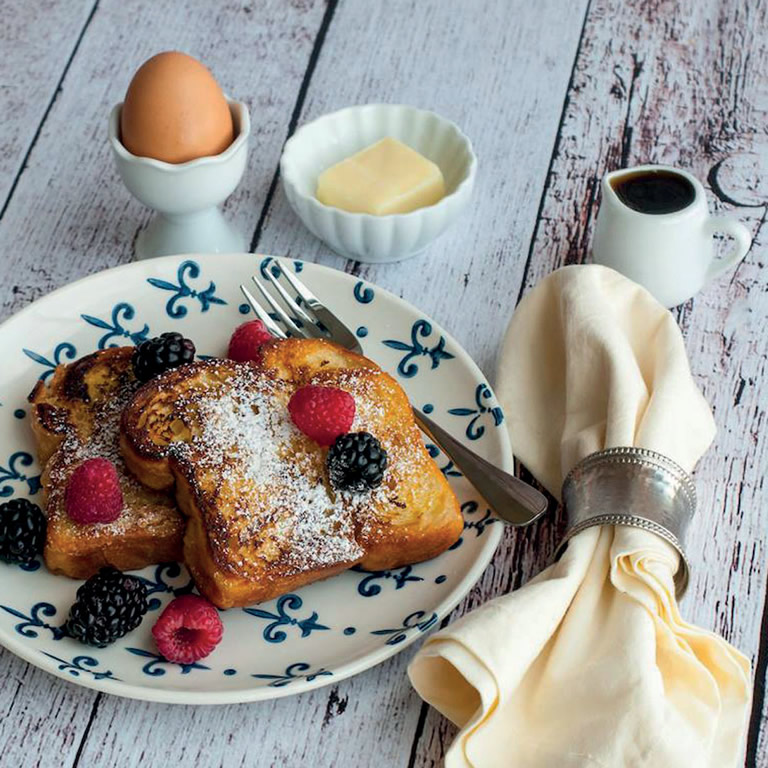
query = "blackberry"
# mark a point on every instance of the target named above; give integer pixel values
(155, 356)
(22, 531)
(109, 605)
(356, 462)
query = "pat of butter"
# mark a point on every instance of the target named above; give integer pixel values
(387, 177)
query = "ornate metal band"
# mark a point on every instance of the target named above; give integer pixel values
(635, 487)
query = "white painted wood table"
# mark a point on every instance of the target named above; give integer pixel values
(553, 94)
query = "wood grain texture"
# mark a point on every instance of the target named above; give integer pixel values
(37, 41)
(336, 725)
(680, 82)
(42, 718)
(645, 90)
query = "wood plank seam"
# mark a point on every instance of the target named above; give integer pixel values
(758, 700)
(19, 686)
(48, 108)
(424, 708)
(301, 96)
(87, 729)
(423, 711)
(626, 132)
(553, 156)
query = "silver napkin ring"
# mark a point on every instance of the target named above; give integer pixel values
(651, 491)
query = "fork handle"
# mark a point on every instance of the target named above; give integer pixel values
(510, 498)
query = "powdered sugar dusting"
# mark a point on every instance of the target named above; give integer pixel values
(99, 437)
(277, 506)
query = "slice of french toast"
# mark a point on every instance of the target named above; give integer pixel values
(263, 518)
(75, 416)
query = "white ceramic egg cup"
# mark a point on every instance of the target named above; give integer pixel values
(362, 236)
(185, 195)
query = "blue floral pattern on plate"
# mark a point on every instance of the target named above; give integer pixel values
(276, 265)
(35, 620)
(115, 330)
(476, 524)
(296, 671)
(182, 290)
(159, 584)
(290, 602)
(82, 664)
(482, 412)
(368, 586)
(62, 353)
(12, 475)
(156, 666)
(448, 468)
(418, 620)
(363, 293)
(421, 329)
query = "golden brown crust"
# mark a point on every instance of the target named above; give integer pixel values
(75, 416)
(236, 545)
(219, 584)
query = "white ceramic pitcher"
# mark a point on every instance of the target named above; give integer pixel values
(673, 255)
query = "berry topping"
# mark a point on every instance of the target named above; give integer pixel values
(188, 629)
(93, 493)
(246, 341)
(109, 605)
(322, 413)
(22, 531)
(155, 356)
(356, 462)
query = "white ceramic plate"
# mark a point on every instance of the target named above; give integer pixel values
(318, 635)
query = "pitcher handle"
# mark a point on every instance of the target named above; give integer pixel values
(742, 236)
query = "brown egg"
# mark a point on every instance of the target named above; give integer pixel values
(175, 111)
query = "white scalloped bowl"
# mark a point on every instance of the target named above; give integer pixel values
(362, 236)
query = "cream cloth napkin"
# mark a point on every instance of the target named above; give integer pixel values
(590, 663)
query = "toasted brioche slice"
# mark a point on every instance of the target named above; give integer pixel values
(263, 519)
(76, 416)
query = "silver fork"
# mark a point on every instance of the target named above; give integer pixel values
(513, 500)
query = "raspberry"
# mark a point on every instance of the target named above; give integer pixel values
(188, 629)
(322, 413)
(93, 493)
(246, 341)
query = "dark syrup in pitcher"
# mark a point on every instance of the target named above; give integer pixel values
(654, 192)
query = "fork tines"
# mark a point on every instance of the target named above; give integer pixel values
(301, 315)
(297, 321)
